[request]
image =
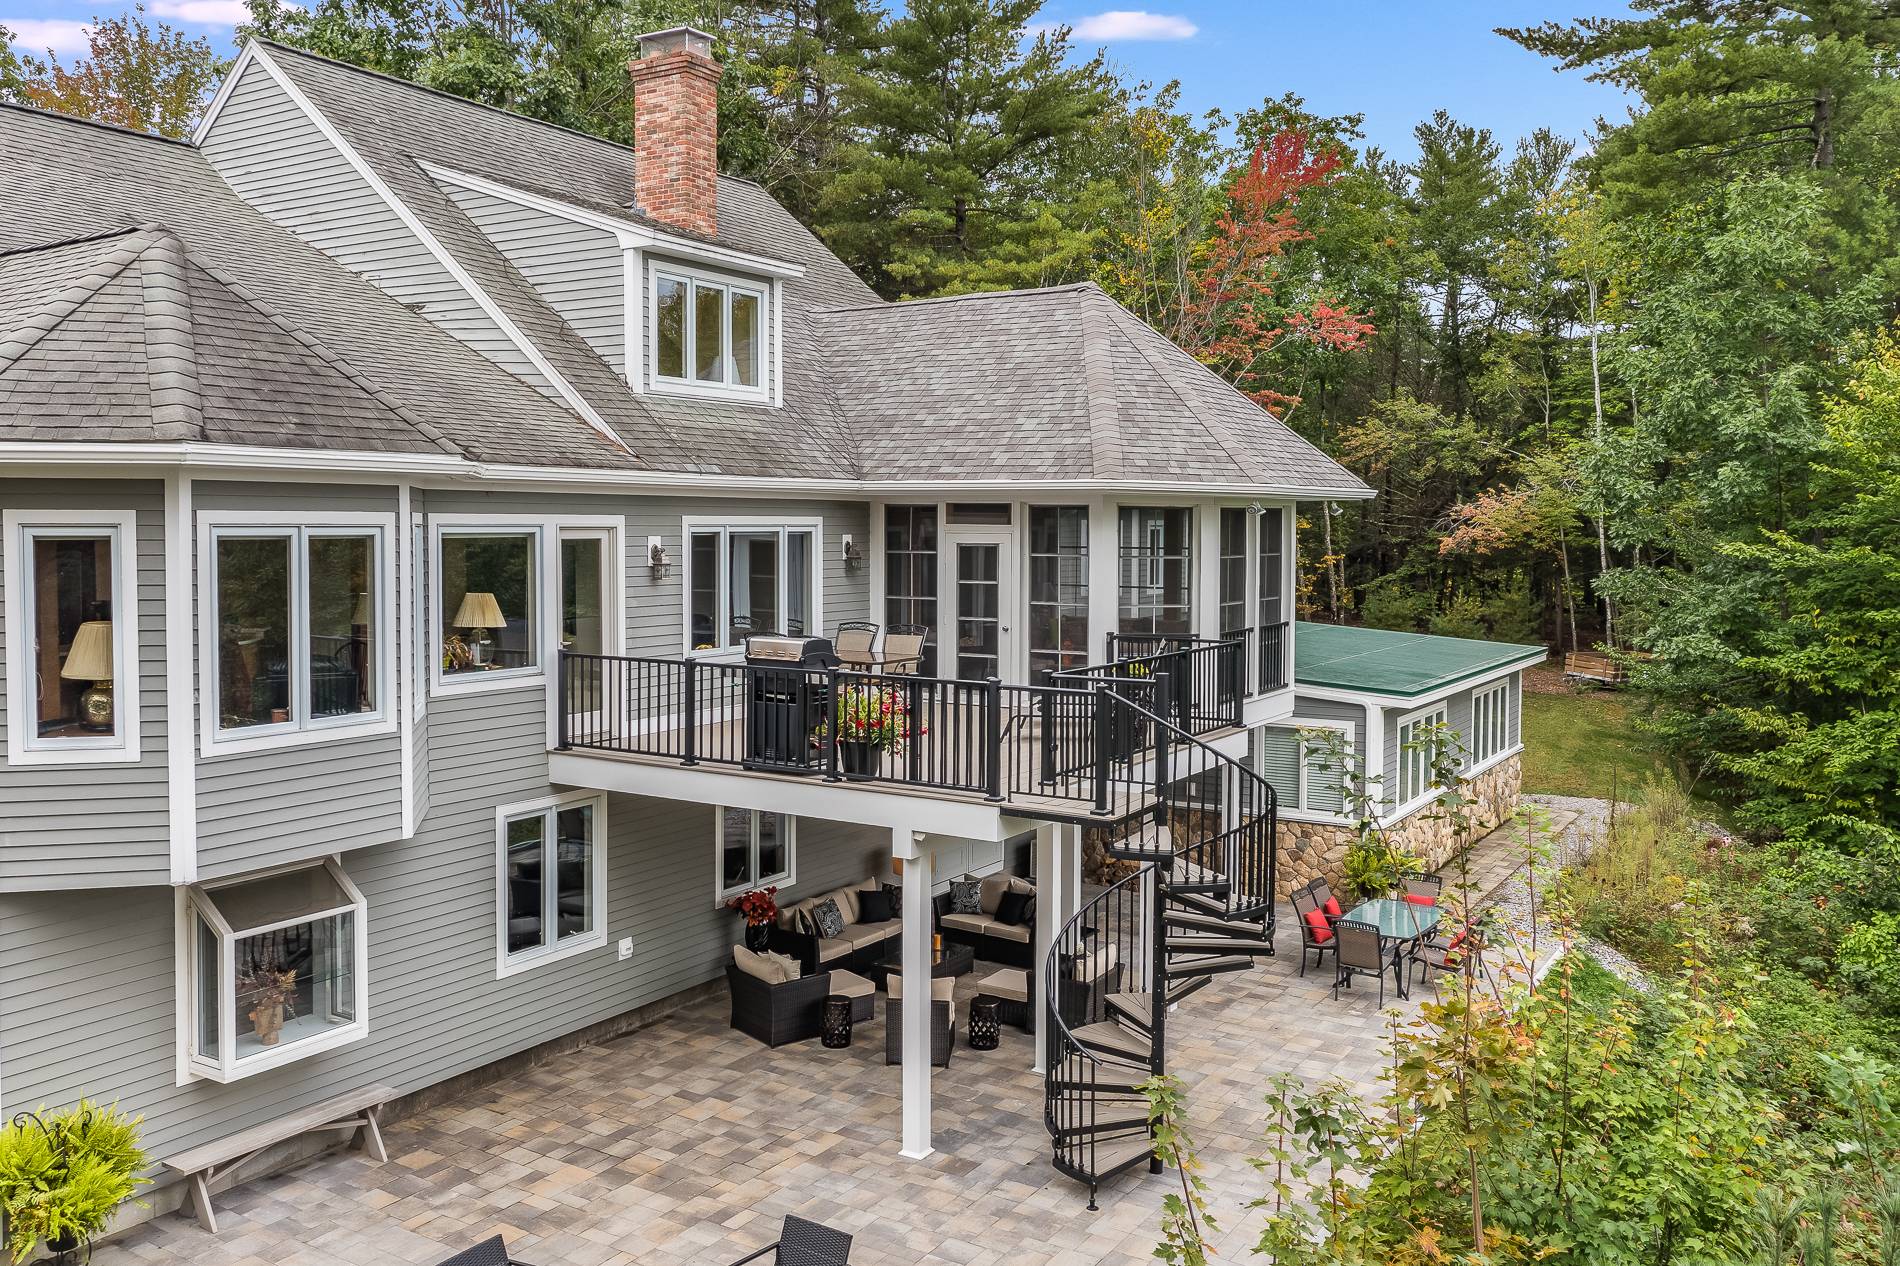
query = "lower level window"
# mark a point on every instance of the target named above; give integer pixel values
(1415, 754)
(1490, 725)
(553, 873)
(275, 969)
(1299, 764)
(754, 850)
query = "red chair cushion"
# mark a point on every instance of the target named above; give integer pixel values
(1332, 908)
(1455, 942)
(1320, 932)
(1417, 900)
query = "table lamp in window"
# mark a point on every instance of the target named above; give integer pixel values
(479, 611)
(90, 659)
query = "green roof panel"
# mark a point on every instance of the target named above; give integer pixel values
(1379, 661)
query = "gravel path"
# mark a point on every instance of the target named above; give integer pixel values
(1572, 848)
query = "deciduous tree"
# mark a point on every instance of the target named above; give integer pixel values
(136, 74)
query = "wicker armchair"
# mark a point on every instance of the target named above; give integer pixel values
(943, 1028)
(789, 1011)
(803, 1243)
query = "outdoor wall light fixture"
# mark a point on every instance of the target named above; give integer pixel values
(1256, 508)
(656, 558)
(852, 558)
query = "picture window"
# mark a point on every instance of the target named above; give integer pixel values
(708, 332)
(755, 850)
(747, 580)
(489, 592)
(74, 648)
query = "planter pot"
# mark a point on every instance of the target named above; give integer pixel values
(758, 937)
(859, 760)
(64, 1247)
(268, 1022)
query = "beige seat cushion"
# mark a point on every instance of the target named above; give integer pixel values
(1011, 983)
(850, 984)
(757, 965)
(828, 950)
(994, 886)
(789, 968)
(862, 934)
(968, 922)
(1008, 931)
(788, 915)
(1093, 965)
(942, 989)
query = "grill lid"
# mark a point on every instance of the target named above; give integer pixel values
(767, 646)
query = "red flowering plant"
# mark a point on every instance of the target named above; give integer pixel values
(757, 906)
(876, 715)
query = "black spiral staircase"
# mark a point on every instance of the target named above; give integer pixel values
(1196, 829)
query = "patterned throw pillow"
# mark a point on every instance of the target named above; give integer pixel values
(829, 921)
(896, 894)
(966, 897)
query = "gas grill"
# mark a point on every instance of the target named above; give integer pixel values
(789, 696)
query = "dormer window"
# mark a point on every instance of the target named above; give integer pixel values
(708, 333)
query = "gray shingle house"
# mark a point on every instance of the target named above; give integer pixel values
(390, 487)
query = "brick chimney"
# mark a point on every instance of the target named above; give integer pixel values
(676, 129)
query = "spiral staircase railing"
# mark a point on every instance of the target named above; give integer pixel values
(1197, 902)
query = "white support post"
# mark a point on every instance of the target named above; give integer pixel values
(1104, 575)
(1070, 846)
(1050, 875)
(915, 1015)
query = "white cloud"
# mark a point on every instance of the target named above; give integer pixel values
(36, 35)
(1125, 24)
(211, 12)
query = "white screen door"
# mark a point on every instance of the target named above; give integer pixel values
(982, 616)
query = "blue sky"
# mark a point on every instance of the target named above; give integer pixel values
(1394, 62)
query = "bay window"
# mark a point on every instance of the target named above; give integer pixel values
(298, 614)
(708, 332)
(551, 896)
(754, 850)
(66, 587)
(274, 969)
(1157, 569)
(745, 579)
(489, 599)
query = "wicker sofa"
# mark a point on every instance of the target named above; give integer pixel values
(1013, 945)
(861, 945)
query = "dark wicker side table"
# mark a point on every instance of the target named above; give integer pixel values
(986, 1031)
(837, 1027)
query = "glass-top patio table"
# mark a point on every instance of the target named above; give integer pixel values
(1399, 922)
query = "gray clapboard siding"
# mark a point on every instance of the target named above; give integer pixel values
(85, 826)
(312, 499)
(279, 160)
(578, 270)
(1309, 708)
(296, 803)
(1458, 713)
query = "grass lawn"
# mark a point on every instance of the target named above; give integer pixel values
(1581, 745)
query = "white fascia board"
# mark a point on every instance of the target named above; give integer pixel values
(442, 254)
(1157, 493)
(631, 235)
(222, 95)
(803, 797)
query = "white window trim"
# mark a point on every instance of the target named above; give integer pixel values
(507, 964)
(23, 744)
(767, 293)
(1352, 748)
(211, 742)
(1501, 691)
(228, 1068)
(788, 823)
(700, 523)
(1403, 809)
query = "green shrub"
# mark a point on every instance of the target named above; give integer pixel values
(1396, 608)
(1462, 617)
(66, 1173)
(1511, 613)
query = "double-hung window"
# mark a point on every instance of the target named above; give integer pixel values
(754, 849)
(72, 637)
(1490, 722)
(299, 624)
(1415, 755)
(744, 579)
(274, 966)
(708, 333)
(551, 894)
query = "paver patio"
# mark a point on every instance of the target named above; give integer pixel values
(688, 1142)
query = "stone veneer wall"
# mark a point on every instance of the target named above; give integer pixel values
(1311, 850)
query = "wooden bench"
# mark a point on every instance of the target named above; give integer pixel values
(356, 1111)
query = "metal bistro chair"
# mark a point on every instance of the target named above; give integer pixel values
(904, 647)
(490, 1252)
(803, 1243)
(1311, 938)
(1361, 949)
(853, 644)
(1431, 886)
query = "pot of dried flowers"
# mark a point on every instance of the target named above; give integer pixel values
(760, 912)
(269, 993)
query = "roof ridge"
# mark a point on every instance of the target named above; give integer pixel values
(57, 307)
(171, 348)
(1106, 452)
(63, 117)
(363, 382)
(902, 305)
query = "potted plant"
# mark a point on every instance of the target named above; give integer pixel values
(62, 1176)
(268, 991)
(1374, 867)
(759, 910)
(870, 720)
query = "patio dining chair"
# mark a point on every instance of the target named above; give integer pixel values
(1318, 938)
(804, 1243)
(1361, 949)
(853, 643)
(904, 647)
(1321, 895)
(1426, 888)
(1441, 952)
